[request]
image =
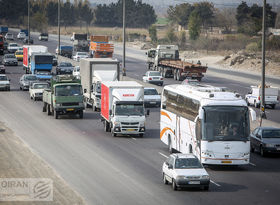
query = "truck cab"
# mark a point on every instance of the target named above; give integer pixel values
(122, 107)
(166, 52)
(41, 65)
(64, 97)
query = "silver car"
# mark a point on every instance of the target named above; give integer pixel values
(10, 59)
(151, 97)
(153, 77)
(26, 80)
(4, 82)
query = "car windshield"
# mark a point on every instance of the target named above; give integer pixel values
(129, 109)
(187, 163)
(271, 134)
(150, 92)
(154, 74)
(30, 78)
(68, 90)
(65, 64)
(40, 86)
(226, 123)
(3, 78)
(10, 56)
(13, 45)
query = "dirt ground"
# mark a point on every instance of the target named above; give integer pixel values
(18, 161)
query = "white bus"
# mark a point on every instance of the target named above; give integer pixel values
(207, 121)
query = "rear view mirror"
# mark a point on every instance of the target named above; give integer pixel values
(253, 114)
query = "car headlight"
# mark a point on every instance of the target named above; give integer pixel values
(205, 177)
(269, 145)
(180, 177)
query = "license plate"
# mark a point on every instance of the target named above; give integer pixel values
(226, 162)
(194, 182)
(130, 130)
(70, 109)
(155, 78)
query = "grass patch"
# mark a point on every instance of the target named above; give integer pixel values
(162, 20)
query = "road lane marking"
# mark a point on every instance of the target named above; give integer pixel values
(215, 183)
(252, 164)
(163, 155)
(133, 138)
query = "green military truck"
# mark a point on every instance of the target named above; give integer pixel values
(65, 96)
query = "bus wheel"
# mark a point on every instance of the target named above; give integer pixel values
(170, 149)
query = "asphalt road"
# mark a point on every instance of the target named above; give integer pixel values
(125, 170)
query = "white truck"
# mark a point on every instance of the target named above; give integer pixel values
(122, 108)
(93, 71)
(271, 96)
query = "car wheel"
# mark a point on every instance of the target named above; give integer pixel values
(174, 186)
(248, 104)
(206, 188)
(164, 179)
(263, 153)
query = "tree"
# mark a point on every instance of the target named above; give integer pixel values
(170, 35)
(153, 33)
(180, 13)
(205, 11)
(182, 38)
(194, 25)
(87, 14)
(225, 18)
(39, 21)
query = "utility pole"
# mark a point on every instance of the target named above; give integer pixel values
(28, 22)
(58, 24)
(123, 60)
(262, 107)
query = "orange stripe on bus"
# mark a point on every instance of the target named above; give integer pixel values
(164, 130)
(165, 114)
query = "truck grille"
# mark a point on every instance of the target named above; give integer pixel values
(130, 123)
(69, 104)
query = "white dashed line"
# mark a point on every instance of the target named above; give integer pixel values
(252, 164)
(163, 155)
(215, 183)
(133, 138)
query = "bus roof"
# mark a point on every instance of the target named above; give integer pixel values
(207, 94)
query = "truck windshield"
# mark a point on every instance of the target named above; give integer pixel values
(43, 59)
(226, 123)
(126, 109)
(151, 53)
(68, 90)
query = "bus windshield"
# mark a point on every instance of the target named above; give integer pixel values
(226, 123)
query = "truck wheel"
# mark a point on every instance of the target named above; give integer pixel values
(49, 110)
(55, 114)
(106, 126)
(94, 108)
(248, 104)
(179, 75)
(141, 135)
(34, 98)
(45, 107)
(81, 114)
(273, 106)
(113, 134)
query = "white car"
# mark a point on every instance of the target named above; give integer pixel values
(4, 82)
(12, 47)
(151, 97)
(76, 72)
(21, 35)
(80, 55)
(185, 170)
(36, 90)
(9, 36)
(153, 77)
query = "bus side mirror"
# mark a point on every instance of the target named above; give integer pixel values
(148, 112)
(201, 114)
(253, 114)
